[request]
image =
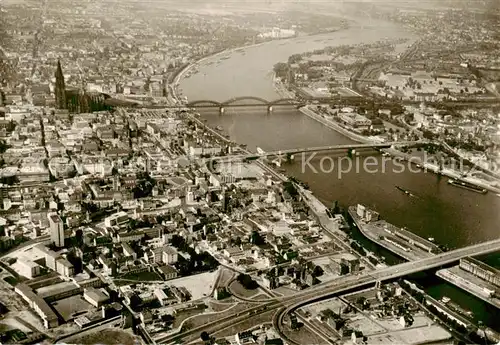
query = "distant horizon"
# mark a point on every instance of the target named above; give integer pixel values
(486, 5)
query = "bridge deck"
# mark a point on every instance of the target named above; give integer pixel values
(314, 149)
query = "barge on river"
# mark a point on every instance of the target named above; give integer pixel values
(467, 185)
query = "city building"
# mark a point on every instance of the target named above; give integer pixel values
(355, 120)
(130, 236)
(339, 266)
(128, 251)
(38, 304)
(56, 226)
(64, 267)
(278, 33)
(162, 297)
(28, 268)
(481, 270)
(170, 255)
(168, 272)
(245, 337)
(154, 255)
(117, 219)
(95, 297)
(146, 316)
(47, 257)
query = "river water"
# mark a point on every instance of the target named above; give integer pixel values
(453, 216)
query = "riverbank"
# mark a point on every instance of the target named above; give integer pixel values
(193, 64)
(433, 168)
(330, 225)
(470, 283)
(403, 243)
(187, 68)
(306, 110)
(426, 166)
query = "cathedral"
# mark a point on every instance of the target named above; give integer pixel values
(77, 100)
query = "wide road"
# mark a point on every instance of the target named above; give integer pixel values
(337, 286)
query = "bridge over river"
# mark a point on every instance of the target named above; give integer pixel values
(246, 102)
(263, 154)
(236, 102)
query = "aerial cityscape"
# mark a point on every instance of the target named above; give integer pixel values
(249, 172)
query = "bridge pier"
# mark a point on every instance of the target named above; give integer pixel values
(351, 153)
(269, 109)
(221, 110)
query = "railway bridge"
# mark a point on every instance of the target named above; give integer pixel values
(245, 102)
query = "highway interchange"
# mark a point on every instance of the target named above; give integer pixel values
(287, 304)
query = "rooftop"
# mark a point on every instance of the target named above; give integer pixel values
(96, 295)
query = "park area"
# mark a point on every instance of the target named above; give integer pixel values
(238, 290)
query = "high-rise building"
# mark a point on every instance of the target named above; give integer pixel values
(60, 89)
(225, 199)
(56, 229)
(2, 98)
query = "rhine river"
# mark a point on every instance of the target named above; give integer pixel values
(453, 216)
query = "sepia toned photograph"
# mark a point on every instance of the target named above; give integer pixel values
(237, 172)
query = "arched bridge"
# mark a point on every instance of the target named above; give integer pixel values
(244, 101)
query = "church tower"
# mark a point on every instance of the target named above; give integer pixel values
(60, 89)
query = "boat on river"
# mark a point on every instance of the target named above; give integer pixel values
(467, 185)
(455, 307)
(403, 190)
(407, 192)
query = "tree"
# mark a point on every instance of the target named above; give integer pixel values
(360, 301)
(3, 146)
(335, 207)
(167, 318)
(256, 239)
(281, 69)
(428, 135)
(79, 237)
(205, 336)
(247, 281)
(318, 271)
(294, 58)
(290, 188)
(237, 241)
